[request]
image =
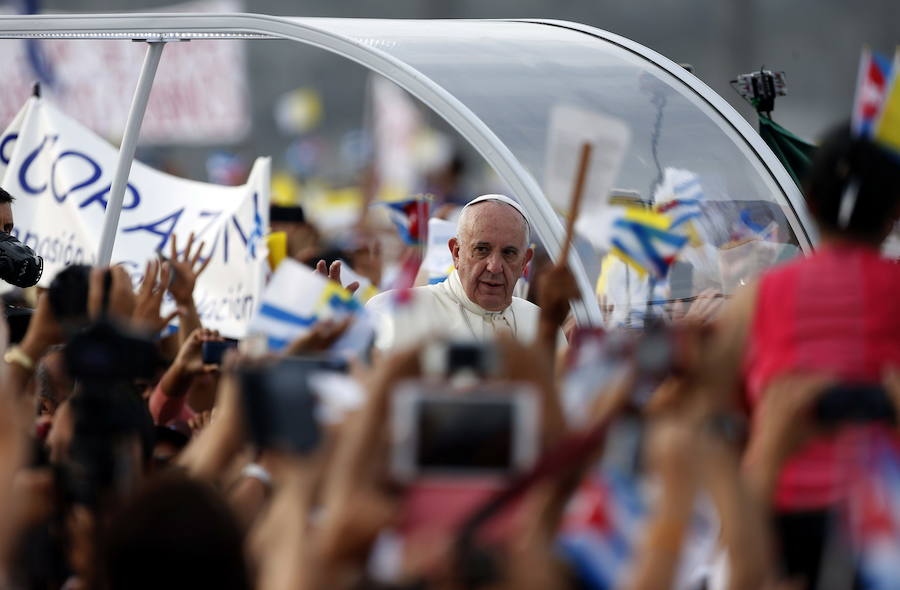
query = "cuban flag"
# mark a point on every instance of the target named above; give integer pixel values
(678, 196)
(873, 510)
(410, 217)
(601, 528)
(295, 299)
(871, 91)
(644, 240)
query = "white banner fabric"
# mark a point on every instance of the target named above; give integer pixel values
(60, 174)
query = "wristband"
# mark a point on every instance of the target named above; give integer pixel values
(257, 471)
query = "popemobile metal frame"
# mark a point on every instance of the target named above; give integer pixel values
(156, 29)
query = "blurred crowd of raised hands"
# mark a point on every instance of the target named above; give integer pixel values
(94, 494)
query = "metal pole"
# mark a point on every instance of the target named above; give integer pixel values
(126, 150)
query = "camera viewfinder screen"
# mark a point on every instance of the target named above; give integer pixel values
(456, 435)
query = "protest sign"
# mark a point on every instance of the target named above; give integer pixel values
(60, 174)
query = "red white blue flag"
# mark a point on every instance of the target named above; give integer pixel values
(871, 90)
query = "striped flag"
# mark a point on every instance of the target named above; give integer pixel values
(644, 241)
(295, 299)
(871, 90)
(601, 528)
(679, 196)
(410, 217)
(873, 512)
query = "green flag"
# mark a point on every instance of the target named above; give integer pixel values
(795, 153)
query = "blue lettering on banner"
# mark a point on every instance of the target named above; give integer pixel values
(3, 142)
(94, 176)
(154, 227)
(214, 214)
(100, 197)
(56, 248)
(29, 160)
(255, 235)
(236, 305)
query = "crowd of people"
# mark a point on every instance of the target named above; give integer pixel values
(740, 445)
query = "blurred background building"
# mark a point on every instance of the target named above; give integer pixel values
(311, 111)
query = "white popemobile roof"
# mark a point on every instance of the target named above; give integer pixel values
(495, 82)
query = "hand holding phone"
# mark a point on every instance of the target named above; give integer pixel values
(281, 408)
(212, 351)
(488, 431)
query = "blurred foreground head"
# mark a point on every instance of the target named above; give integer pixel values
(175, 533)
(846, 162)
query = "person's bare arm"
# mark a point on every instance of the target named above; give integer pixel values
(726, 346)
(212, 450)
(556, 289)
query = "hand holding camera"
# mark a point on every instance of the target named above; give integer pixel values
(202, 353)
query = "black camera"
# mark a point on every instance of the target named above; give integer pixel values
(19, 265)
(760, 88)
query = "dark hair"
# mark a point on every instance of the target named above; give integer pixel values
(174, 533)
(5, 197)
(842, 159)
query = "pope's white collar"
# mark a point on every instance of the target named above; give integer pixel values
(456, 288)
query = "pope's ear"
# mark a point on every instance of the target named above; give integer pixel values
(453, 244)
(529, 254)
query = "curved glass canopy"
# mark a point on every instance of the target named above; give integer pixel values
(496, 83)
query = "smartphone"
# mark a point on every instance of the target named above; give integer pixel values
(212, 351)
(486, 431)
(854, 403)
(446, 359)
(281, 407)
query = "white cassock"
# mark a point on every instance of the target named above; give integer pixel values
(445, 310)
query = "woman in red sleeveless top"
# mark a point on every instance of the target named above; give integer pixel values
(833, 314)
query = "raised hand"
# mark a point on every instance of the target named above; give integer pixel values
(187, 268)
(119, 300)
(150, 296)
(323, 334)
(334, 273)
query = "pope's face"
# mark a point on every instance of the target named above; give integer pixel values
(490, 253)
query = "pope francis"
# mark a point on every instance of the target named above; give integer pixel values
(476, 302)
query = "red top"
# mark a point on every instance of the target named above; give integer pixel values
(836, 313)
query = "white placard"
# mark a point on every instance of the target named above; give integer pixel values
(569, 128)
(60, 174)
(296, 298)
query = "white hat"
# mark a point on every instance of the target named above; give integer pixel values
(501, 199)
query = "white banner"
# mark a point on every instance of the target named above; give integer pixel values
(60, 174)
